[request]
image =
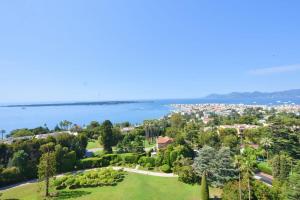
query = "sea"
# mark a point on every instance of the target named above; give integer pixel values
(30, 117)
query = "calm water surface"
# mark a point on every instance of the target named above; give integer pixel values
(30, 117)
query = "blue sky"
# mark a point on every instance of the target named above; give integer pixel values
(102, 50)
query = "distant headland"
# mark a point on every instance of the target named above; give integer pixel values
(92, 103)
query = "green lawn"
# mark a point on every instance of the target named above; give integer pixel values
(148, 144)
(92, 144)
(134, 187)
(265, 167)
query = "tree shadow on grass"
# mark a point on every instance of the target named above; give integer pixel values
(215, 198)
(71, 194)
(11, 199)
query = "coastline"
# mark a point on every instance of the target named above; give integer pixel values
(91, 103)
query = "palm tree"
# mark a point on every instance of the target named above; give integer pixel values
(237, 163)
(247, 163)
(266, 143)
(2, 132)
(65, 125)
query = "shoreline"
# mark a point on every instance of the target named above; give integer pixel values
(92, 103)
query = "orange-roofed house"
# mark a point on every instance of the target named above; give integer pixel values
(163, 142)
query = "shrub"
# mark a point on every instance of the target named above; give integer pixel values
(147, 161)
(165, 168)
(158, 160)
(99, 178)
(68, 161)
(186, 174)
(231, 190)
(263, 192)
(130, 158)
(9, 176)
(111, 158)
(88, 163)
(149, 166)
(264, 167)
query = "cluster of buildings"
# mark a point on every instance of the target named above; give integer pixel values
(227, 109)
(204, 111)
(219, 109)
(240, 128)
(291, 108)
(10, 140)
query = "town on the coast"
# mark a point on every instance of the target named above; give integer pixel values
(149, 100)
(233, 151)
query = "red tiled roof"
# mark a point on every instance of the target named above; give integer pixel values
(163, 140)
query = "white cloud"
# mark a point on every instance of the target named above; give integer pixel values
(275, 70)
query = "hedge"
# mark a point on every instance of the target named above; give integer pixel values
(147, 161)
(129, 158)
(92, 163)
(109, 159)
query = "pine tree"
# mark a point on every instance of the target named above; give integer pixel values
(218, 165)
(204, 190)
(225, 170)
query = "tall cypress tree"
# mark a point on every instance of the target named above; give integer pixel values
(106, 136)
(204, 190)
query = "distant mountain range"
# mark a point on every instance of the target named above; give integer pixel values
(288, 94)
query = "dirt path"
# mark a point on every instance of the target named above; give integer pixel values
(137, 171)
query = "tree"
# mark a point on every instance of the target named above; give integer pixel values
(293, 189)
(47, 168)
(2, 133)
(210, 138)
(65, 159)
(177, 120)
(225, 170)
(247, 164)
(263, 192)
(65, 124)
(237, 163)
(183, 168)
(281, 166)
(205, 162)
(217, 165)
(151, 130)
(5, 153)
(231, 191)
(106, 136)
(204, 190)
(267, 144)
(20, 160)
(285, 141)
(21, 132)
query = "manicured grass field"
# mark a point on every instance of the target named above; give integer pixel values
(92, 144)
(134, 187)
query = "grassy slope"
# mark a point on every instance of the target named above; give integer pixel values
(134, 187)
(92, 144)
